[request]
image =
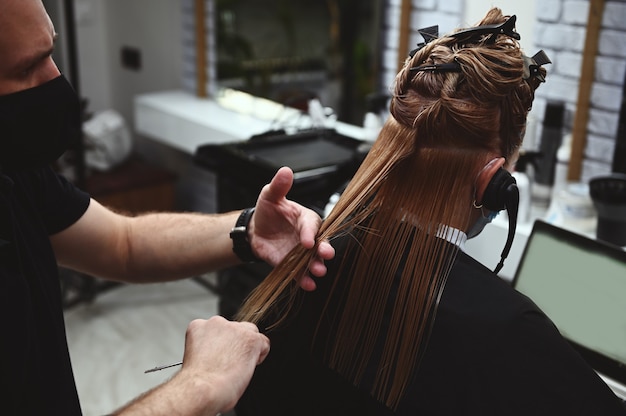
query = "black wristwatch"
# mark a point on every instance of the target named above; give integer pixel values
(239, 235)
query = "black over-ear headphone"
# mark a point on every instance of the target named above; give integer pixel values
(502, 193)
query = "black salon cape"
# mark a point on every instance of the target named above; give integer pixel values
(491, 352)
(36, 374)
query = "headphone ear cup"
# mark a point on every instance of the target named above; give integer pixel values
(496, 196)
(501, 192)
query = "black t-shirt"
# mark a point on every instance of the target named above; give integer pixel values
(491, 352)
(36, 373)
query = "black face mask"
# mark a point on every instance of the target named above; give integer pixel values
(38, 125)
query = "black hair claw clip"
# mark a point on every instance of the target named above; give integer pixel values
(448, 67)
(429, 34)
(507, 28)
(532, 65)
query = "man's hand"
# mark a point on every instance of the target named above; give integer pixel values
(224, 354)
(279, 224)
(220, 358)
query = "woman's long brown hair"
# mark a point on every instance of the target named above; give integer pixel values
(417, 180)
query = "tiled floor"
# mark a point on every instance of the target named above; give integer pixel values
(126, 331)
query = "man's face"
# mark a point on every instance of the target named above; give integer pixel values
(26, 43)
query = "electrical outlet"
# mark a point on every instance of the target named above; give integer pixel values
(83, 11)
(131, 58)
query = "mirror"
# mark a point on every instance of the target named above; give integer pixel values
(291, 51)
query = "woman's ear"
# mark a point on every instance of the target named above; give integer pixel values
(485, 175)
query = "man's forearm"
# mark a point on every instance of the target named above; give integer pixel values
(175, 245)
(179, 396)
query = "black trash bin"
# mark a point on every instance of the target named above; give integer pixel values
(608, 193)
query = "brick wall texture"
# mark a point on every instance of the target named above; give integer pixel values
(561, 30)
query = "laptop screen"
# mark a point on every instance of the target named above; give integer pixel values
(580, 283)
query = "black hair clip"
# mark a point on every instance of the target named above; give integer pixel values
(429, 34)
(506, 28)
(448, 67)
(532, 65)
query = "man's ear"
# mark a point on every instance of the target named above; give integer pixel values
(485, 175)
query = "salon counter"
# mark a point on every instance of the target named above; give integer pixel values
(184, 121)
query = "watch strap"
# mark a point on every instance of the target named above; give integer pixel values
(239, 235)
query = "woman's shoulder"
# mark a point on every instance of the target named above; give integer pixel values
(475, 297)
